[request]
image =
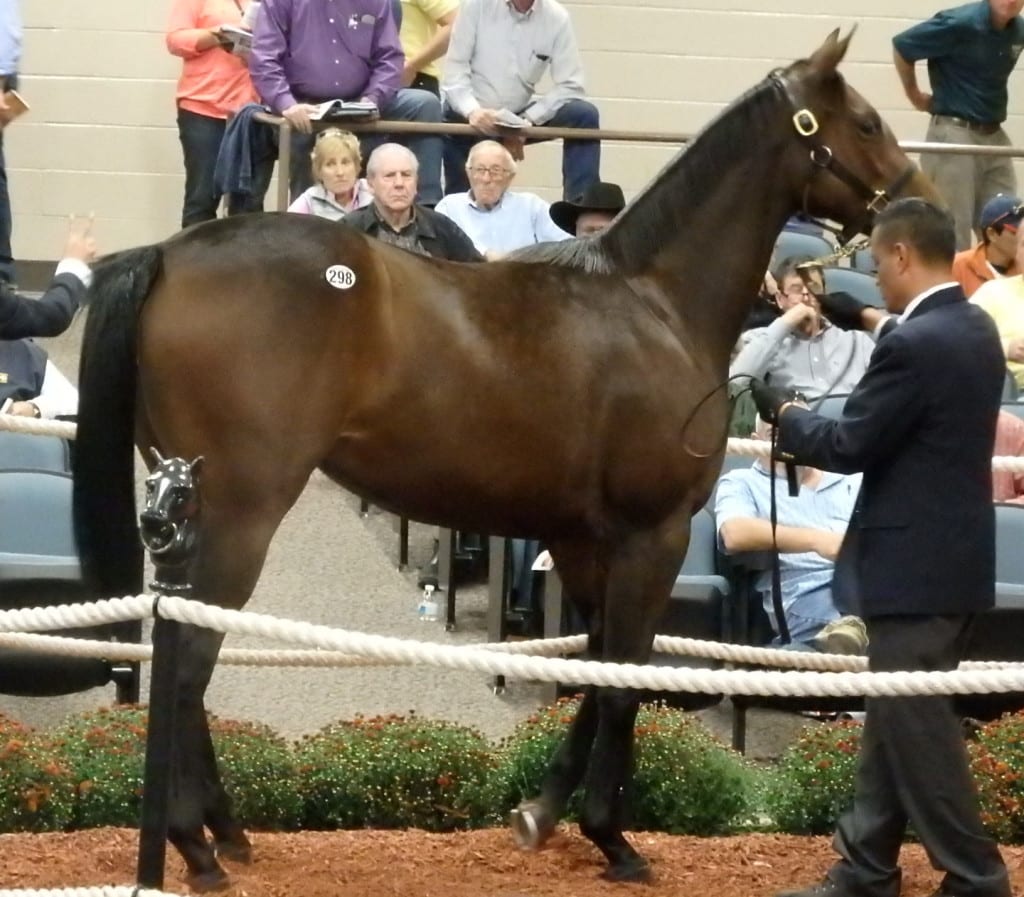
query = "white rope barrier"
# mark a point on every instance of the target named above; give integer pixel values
(847, 683)
(18, 424)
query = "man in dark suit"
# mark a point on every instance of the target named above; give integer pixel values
(51, 314)
(921, 426)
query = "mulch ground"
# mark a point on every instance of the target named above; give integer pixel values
(469, 864)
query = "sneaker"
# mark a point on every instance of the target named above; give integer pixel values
(847, 635)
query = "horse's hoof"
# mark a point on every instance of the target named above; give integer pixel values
(213, 880)
(532, 825)
(234, 851)
(637, 871)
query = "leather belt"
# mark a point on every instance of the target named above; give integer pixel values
(986, 128)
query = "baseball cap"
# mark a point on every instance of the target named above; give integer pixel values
(1001, 209)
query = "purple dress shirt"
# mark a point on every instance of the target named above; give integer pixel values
(317, 50)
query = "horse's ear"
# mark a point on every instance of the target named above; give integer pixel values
(825, 60)
(156, 454)
(196, 467)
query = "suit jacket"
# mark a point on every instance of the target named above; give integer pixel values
(47, 316)
(921, 426)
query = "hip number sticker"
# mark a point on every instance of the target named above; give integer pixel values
(341, 277)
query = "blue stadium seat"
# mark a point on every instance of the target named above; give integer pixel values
(1014, 408)
(861, 260)
(793, 243)
(24, 451)
(1010, 391)
(858, 284)
(36, 539)
(831, 406)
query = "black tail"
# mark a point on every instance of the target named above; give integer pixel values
(104, 453)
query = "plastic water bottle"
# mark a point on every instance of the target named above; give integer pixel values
(427, 608)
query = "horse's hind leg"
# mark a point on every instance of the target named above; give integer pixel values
(533, 821)
(641, 572)
(232, 547)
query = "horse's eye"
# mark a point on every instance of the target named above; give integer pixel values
(869, 127)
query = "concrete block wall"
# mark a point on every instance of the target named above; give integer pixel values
(101, 133)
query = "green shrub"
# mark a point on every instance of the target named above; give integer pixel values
(525, 755)
(814, 780)
(997, 761)
(36, 792)
(259, 773)
(395, 772)
(105, 751)
(685, 781)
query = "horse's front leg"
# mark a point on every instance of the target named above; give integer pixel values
(640, 576)
(534, 820)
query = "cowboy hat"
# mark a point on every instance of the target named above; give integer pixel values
(598, 197)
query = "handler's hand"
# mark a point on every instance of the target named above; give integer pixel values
(81, 244)
(843, 310)
(768, 399)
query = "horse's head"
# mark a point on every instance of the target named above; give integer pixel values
(171, 508)
(849, 165)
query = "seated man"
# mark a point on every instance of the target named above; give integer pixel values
(497, 219)
(306, 52)
(592, 212)
(1008, 486)
(51, 314)
(394, 217)
(994, 256)
(499, 51)
(810, 530)
(801, 350)
(31, 385)
(1003, 299)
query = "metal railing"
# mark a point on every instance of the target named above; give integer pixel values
(549, 133)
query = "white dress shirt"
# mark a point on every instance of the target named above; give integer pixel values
(518, 220)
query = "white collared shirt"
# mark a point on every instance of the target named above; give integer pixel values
(497, 55)
(918, 299)
(518, 220)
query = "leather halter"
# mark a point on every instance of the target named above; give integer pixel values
(823, 159)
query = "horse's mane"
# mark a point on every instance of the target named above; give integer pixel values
(641, 228)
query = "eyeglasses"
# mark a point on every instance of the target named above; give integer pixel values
(800, 289)
(495, 171)
(332, 132)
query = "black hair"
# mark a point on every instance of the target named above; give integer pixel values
(920, 224)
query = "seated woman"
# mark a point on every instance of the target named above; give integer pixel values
(31, 385)
(338, 189)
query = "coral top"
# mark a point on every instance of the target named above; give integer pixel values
(213, 82)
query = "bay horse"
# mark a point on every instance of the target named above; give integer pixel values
(570, 393)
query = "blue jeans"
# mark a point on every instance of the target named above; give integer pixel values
(581, 159)
(406, 105)
(200, 137)
(806, 615)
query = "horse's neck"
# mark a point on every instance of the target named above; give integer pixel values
(711, 244)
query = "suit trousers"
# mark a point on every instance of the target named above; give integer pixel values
(913, 768)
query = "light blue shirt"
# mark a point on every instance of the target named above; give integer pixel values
(518, 220)
(10, 37)
(806, 576)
